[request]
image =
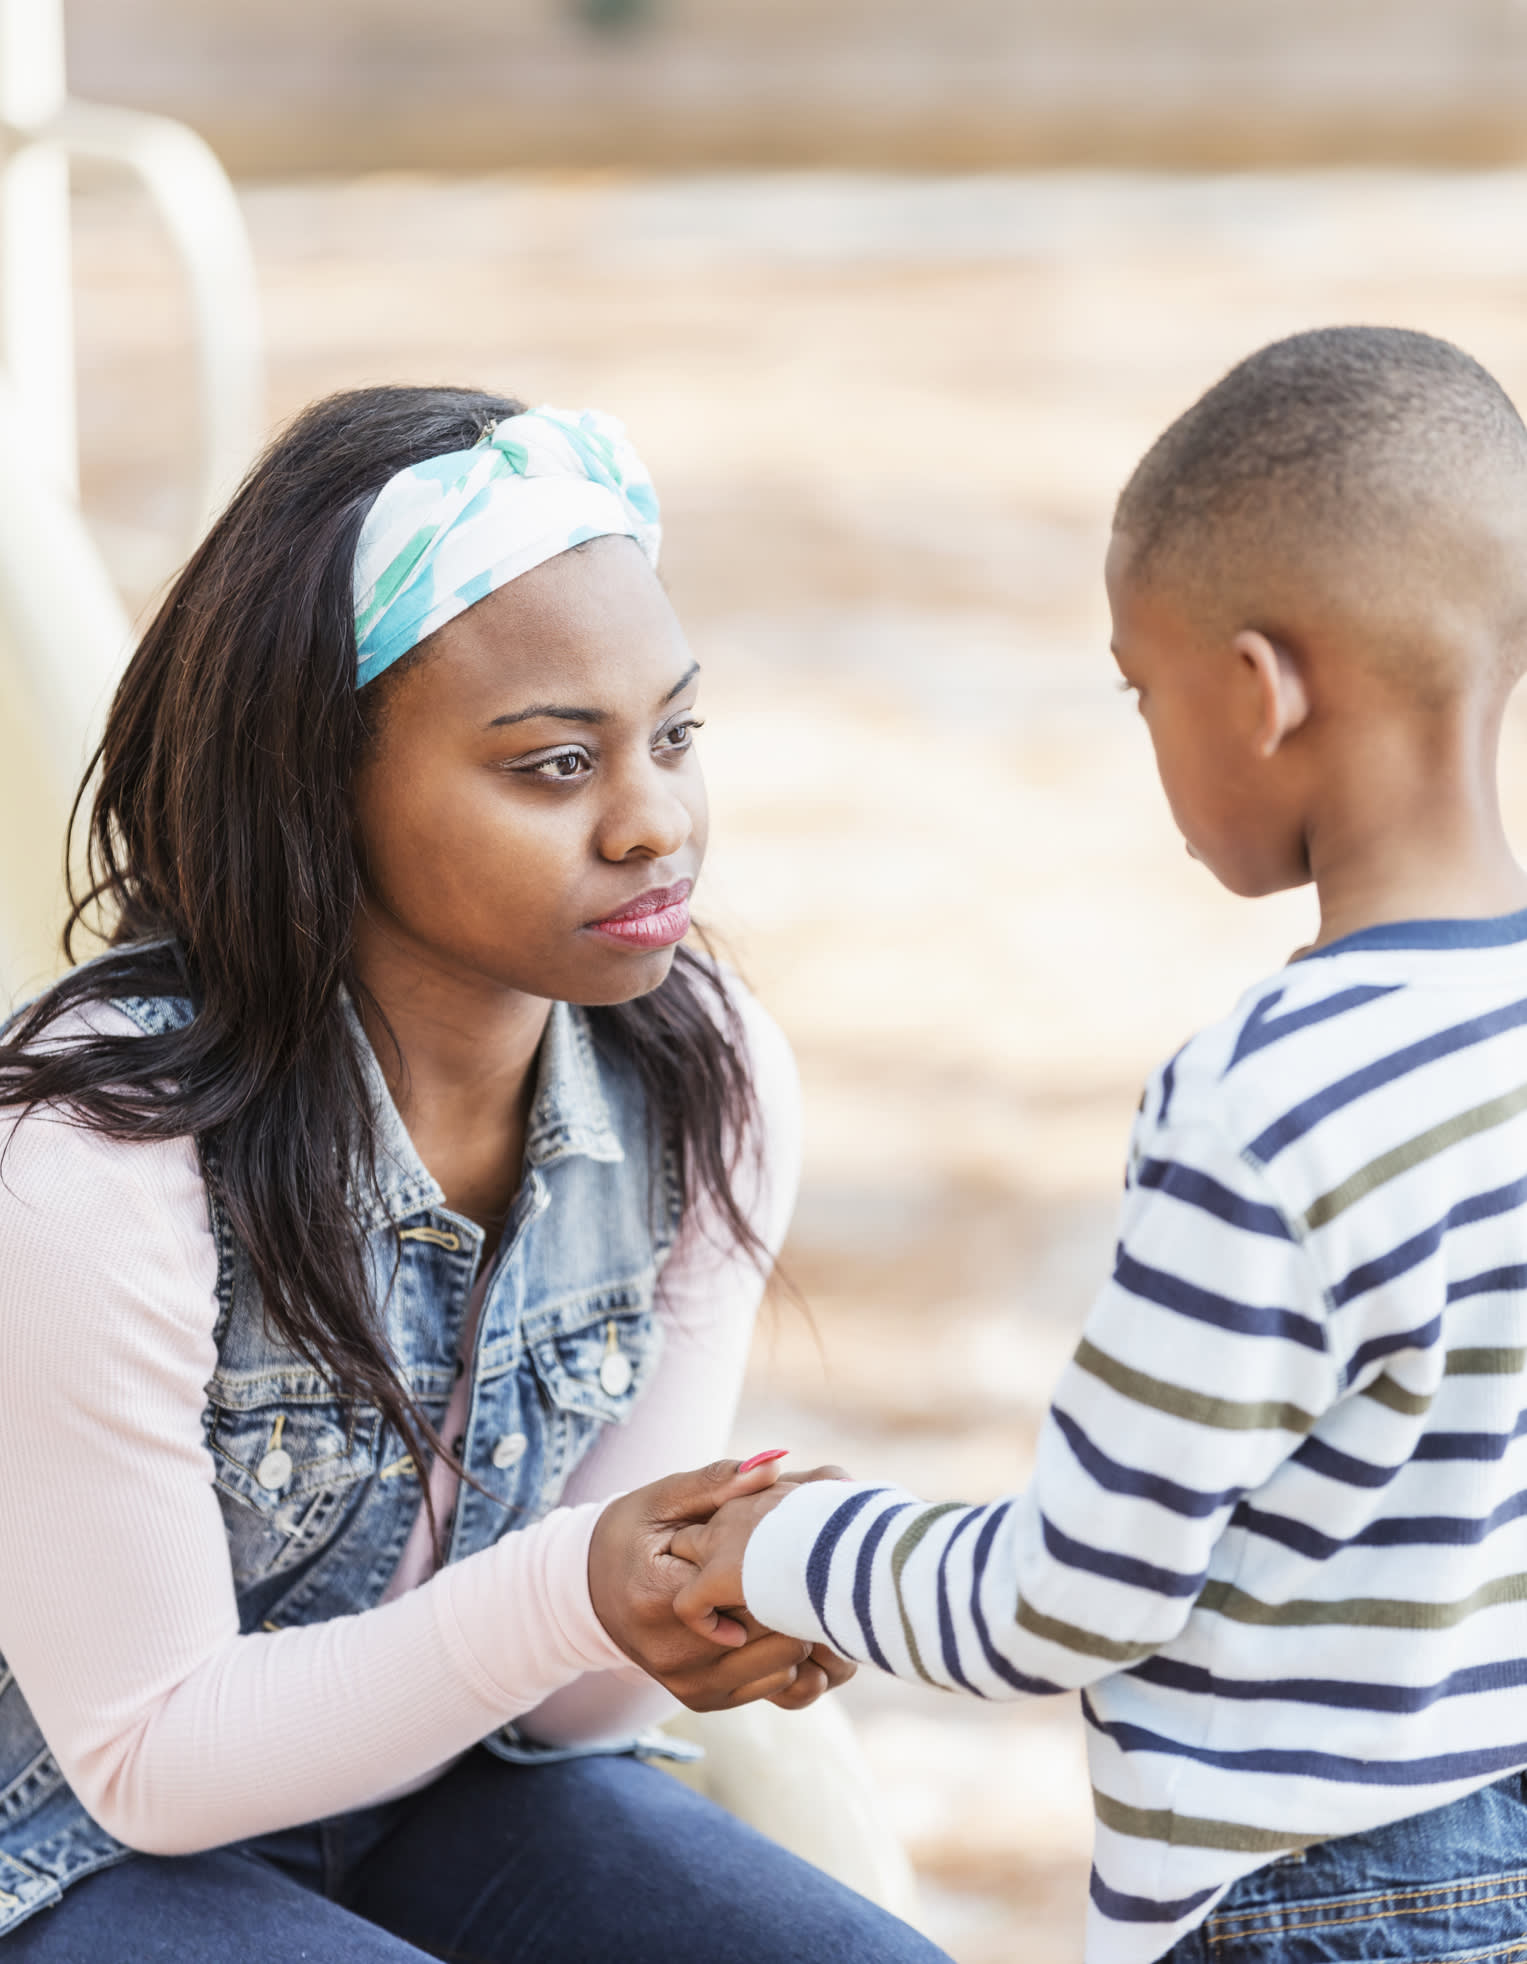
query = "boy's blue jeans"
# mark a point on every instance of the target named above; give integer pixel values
(590, 1859)
(1447, 1887)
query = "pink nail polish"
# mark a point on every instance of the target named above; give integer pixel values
(762, 1459)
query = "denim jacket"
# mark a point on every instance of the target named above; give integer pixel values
(318, 1497)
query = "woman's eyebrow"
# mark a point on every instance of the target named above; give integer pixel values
(683, 682)
(564, 713)
(558, 712)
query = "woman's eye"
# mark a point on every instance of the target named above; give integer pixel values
(565, 764)
(679, 736)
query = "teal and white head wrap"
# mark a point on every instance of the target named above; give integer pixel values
(446, 533)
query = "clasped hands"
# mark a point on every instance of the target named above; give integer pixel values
(665, 1576)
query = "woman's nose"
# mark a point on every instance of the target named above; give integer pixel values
(652, 820)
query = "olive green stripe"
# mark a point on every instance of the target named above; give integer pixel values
(1480, 1362)
(1229, 1414)
(1486, 1363)
(1071, 1636)
(1414, 1152)
(1368, 1612)
(907, 1544)
(1193, 1831)
(1410, 1404)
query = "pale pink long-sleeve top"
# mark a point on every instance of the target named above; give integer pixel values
(117, 1609)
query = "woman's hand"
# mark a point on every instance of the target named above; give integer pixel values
(823, 1671)
(633, 1577)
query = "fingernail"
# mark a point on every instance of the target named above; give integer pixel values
(762, 1459)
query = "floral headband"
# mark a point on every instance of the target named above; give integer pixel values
(446, 533)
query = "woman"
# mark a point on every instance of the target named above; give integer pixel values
(349, 1266)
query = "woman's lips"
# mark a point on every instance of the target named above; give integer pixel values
(655, 919)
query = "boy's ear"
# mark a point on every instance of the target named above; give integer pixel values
(1283, 702)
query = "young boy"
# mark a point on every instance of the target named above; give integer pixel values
(1278, 1525)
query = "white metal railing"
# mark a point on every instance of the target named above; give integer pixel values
(197, 206)
(63, 632)
(41, 128)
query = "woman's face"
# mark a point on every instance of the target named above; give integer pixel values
(533, 781)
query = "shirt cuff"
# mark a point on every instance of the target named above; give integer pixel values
(518, 1616)
(778, 1569)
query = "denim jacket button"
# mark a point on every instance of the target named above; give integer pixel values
(509, 1450)
(275, 1469)
(615, 1374)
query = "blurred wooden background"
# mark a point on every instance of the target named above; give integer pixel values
(289, 85)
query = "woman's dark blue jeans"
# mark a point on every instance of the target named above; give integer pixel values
(589, 1859)
(1448, 1887)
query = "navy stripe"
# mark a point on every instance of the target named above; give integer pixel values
(996, 1662)
(1353, 1472)
(1197, 1189)
(1168, 1086)
(1420, 1247)
(1262, 1028)
(1384, 1070)
(1442, 1530)
(864, 1576)
(1421, 1338)
(1333, 1465)
(1492, 931)
(1436, 1769)
(1118, 1568)
(1402, 1531)
(1468, 1445)
(1506, 1280)
(1118, 1478)
(1338, 1692)
(819, 1561)
(948, 1640)
(1157, 1285)
(1120, 1908)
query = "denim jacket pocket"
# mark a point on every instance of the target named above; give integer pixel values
(594, 1357)
(288, 1457)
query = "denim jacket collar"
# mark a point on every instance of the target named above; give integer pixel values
(569, 1116)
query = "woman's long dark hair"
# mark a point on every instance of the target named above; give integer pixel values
(221, 866)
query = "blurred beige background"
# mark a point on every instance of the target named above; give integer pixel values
(888, 409)
(286, 84)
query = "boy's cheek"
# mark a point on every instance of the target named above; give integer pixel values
(1243, 840)
(1268, 850)
(1254, 866)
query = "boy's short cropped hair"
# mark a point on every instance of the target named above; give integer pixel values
(1346, 425)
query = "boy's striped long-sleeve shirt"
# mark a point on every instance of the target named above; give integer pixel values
(1277, 1531)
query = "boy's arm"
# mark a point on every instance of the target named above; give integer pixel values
(1203, 1366)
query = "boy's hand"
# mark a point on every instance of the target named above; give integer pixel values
(633, 1575)
(716, 1548)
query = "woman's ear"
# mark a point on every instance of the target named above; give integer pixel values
(1283, 702)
